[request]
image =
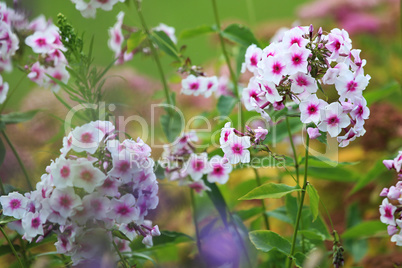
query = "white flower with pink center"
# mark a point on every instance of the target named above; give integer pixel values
(64, 201)
(88, 177)
(350, 86)
(387, 211)
(3, 90)
(347, 138)
(338, 43)
(357, 64)
(273, 69)
(41, 42)
(197, 166)
(193, 85)
(397, 238)
(272, 50)
(58, 72)
(398, 162)
(302, 82)
(14, 204)
(37, 73)
(236, 149)
(294, 36)
(333, 119)
(199, 186)
(271, 93)
(313, 133)
(110, 187)
(33, 225)
(252, 91)
(360, 111)
(129, 230)
(169, 31)
(260, 134)
(331, 74)
(116, 37)
(296, 59)
(123, 210)
(96, 205)
(63, 172)
(9, 42)
(106, 127)
(88, 10)
(261, 111)
(253, 56)
(86, 138)
(310, 109)
(220, 170)
(211, 84)
(226, 131)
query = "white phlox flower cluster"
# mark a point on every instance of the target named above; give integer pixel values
(45, 41)
(96, 185)
(200, 85)
(391, 206)
(182, 163)
(297, 67)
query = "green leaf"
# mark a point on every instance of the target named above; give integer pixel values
(172, 124)
(281, 214)
(321, 161)
(2, 152)
(6, 249)
(217, 199)
(323, 137)
(200, 30)
(18, 117)
(299, 259)
(240, 59)
(225, 105)
(357, 247)
(266, 241)
(135, 40)
(280, 132)
(331, 174)
(312, 235)
(314, 201)
(291, 208)
(270, 190)
(364, 229)
(171, 237)
(165, 43)
(382, 93)
(371, 175)
(6, 219)
(240, 34)
(249, 213)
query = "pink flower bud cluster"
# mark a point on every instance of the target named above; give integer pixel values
(182, 163)
(391, 206)
(45, 41)
(296, 68)
(97, 183)
(235, 144)
(88, 7)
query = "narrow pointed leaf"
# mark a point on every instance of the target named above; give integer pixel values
(270, 190)
(267, 240)
(314, 201)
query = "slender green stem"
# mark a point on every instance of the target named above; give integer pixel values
(227, 59)
(3, 191)
(12, 92)
(293, 149)
(197, 231)
(299, 212)
(122, 259)
(12, 247)
(19, 160)
(24, 250)
(264, 209)
(154, 52)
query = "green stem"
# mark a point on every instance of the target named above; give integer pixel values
(299, 212)
(122, 259)
(264, 209)
(24, 250)
(227, 59)
(3, 191)
(197, 231)
(19, 161)
(154, 52)
(12, 247)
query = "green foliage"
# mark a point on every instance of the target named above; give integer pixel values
(314, 201)
(371, 175)
(172, 122)
(270, 190)
(225, 105)
(166, 44)
(135, 40)
(18, 117)
(380, 94)
(240, 34)
(357, 247)
(364, 229)
(197, 31)
(339, 174)
(266, 241)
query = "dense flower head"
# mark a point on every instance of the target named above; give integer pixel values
(97, 183)
(297, 67)
(390, 209)
(181, 162)
(199, 85)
